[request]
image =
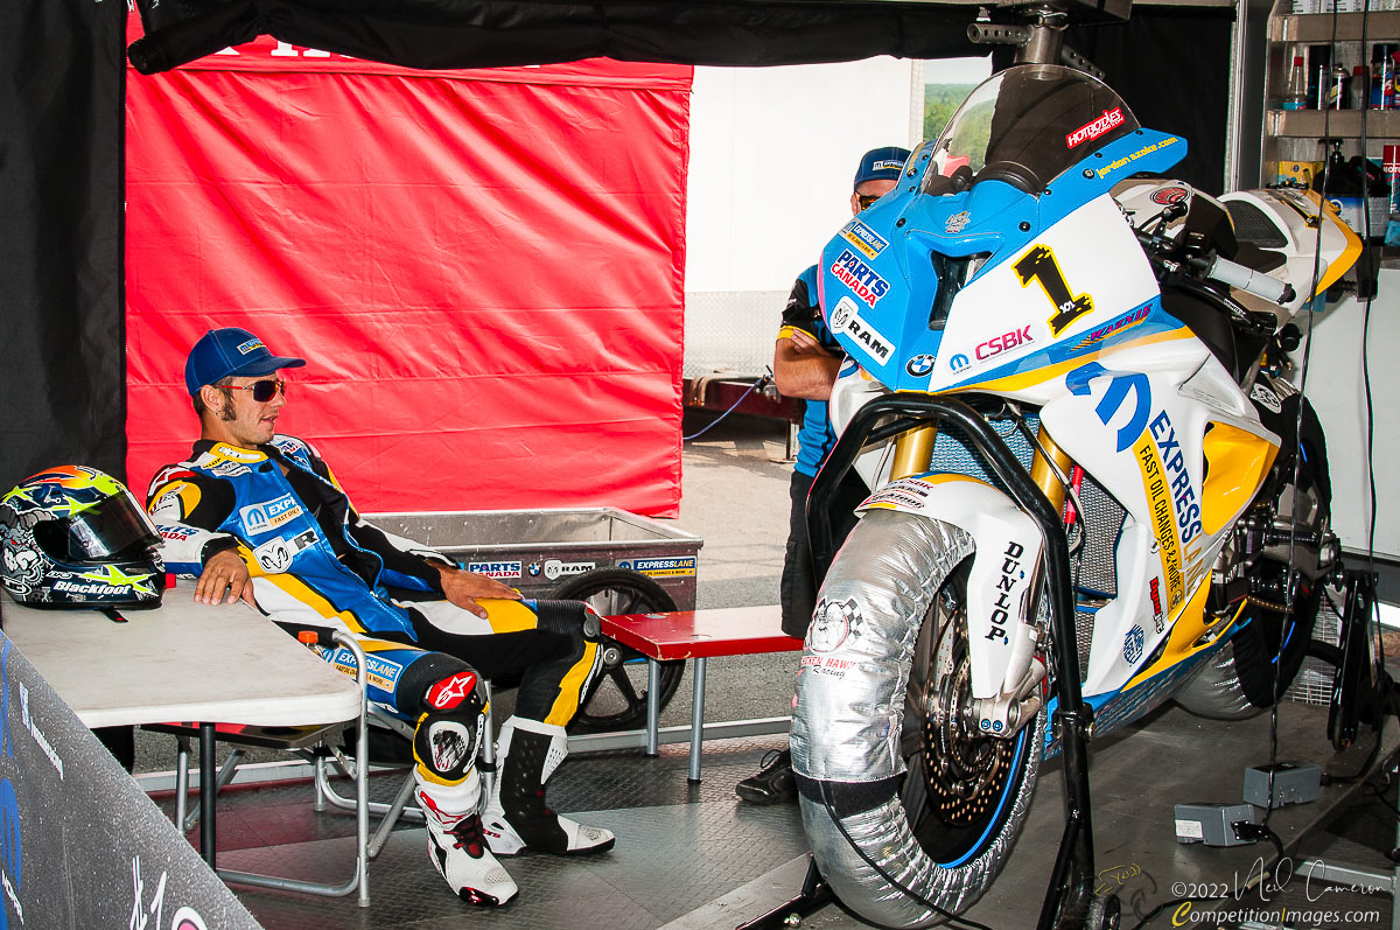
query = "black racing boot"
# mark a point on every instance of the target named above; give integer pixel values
(516, 817)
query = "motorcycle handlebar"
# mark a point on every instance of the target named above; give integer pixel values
(1247, 279)
(1225, 271)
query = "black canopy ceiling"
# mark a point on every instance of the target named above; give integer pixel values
(485, 33)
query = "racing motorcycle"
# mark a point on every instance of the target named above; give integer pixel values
(1094, 486)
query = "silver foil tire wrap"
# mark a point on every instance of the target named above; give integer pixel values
(1215, 691)
(850, 706)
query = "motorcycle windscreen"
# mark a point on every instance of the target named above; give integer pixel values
(1025, 126)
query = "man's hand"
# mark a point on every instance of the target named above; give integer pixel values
(224, 572)
(803, 367)
(804, 343)
(462, 588)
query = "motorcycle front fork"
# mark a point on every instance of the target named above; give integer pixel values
(1069, 900)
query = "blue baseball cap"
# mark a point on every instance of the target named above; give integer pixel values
(231, 351)
(884, 164)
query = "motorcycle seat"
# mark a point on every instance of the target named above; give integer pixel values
(1257, 238)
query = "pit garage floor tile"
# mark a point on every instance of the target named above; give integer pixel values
(680, 846)
(685, 850)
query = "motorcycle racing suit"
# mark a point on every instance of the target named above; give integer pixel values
(312, 559)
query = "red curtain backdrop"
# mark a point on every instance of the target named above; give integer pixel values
(483, 269)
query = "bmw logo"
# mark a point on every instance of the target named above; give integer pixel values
(920, 365)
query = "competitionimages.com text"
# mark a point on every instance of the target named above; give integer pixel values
(1188, 914)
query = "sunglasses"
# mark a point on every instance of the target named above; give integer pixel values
(867, 199)
(263, 391)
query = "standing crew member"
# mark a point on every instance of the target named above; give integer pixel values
(805, 362)
(259, 516)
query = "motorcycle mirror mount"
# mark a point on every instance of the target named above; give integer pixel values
(1039, 36)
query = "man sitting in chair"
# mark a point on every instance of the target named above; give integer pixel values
(262, 518)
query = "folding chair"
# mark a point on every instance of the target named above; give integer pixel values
(398, 809)
(293, 739)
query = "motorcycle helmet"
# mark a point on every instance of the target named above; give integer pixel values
(74, 537)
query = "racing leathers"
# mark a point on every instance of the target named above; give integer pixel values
(312, 559)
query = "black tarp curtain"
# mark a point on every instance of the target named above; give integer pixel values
(62, 351)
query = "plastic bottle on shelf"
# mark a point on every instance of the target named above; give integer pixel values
(1295, 89)
(1319, 70)
(1360, 87)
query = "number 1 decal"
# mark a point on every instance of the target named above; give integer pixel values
(1039, 265)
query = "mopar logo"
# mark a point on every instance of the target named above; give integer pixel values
(958, 362)
(259, 518)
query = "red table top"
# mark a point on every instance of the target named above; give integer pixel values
(702, 634)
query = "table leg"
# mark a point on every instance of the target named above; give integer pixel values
(208, 789)
(653, 706)
(697, 721)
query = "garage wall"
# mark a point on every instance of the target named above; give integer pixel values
(773, 154)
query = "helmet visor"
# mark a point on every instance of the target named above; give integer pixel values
(114, 527)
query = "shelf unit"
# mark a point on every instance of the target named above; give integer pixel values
(1292, 135)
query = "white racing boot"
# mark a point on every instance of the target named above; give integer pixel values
(455, 843)
(527, 753)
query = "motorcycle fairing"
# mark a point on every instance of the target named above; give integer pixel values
(865, 287)
(1142, 431)
(1005, 568)
(1291, 215)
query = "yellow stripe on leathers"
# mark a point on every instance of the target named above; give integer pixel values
(566, 705)
(506, 616)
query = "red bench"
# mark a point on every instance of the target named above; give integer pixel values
(698, 635)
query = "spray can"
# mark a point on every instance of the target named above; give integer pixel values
(1383, 75)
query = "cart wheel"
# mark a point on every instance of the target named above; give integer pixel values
(618, 698)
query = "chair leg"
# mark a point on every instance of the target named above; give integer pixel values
(488, 745)
(182, 781)
(391, 816)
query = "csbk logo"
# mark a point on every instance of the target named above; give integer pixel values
(1004, 343)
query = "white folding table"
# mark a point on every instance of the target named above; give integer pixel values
(182, 662)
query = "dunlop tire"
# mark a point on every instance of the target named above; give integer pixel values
(846, 731)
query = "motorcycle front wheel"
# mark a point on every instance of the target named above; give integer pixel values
(910, 813)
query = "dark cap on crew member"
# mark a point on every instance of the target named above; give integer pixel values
(884, 164)
(220, 353)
